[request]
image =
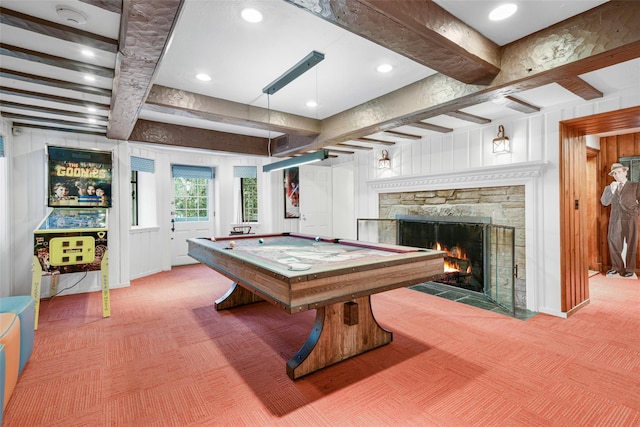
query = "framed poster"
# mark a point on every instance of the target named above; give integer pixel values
(291, 193)
(78, 178)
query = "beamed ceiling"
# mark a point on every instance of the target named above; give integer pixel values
(147, 52)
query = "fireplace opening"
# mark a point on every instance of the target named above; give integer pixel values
(462, 238)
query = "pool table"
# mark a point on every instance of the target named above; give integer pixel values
(335, 277)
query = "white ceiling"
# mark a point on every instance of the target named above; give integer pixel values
(242, 58)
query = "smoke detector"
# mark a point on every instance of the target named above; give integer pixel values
(71, 16)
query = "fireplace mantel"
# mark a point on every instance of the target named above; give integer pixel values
(498, 175)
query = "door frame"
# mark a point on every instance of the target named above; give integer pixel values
(574, 283)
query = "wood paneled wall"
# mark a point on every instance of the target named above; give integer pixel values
(611, 149)
(574, 270)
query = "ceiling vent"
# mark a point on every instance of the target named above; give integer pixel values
(71, 16)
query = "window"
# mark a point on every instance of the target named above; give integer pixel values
(248, 194)
(191, 192)
(633, 163)
(143, 192)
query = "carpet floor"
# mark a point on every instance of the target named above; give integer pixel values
(165, 357)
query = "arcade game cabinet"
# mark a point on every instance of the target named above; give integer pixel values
(72, 238)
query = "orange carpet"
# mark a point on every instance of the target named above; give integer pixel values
(165, 357)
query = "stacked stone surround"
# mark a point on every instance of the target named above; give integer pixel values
(504, 205)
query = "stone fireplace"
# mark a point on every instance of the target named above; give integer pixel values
(502, 206)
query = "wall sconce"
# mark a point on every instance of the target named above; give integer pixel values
(501, 143)
(385, 161)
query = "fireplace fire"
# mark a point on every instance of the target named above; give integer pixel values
(457, 266)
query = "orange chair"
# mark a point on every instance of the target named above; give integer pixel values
(10, 339)
(24, 308)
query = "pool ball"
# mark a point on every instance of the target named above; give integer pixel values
(260, 240)
(232, 244)
(318, 239)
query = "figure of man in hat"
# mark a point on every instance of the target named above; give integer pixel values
(624, 198)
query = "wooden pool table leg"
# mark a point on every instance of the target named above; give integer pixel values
(340, 331)
(235, 296)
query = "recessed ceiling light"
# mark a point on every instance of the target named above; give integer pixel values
(251, 15)
(312, 104)
(203, 77)
(384, 68)
(503, 12)
(89, 78)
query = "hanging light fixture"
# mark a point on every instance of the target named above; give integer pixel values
(304, 65)
(385, 161)
(297, 161)
(501, 143)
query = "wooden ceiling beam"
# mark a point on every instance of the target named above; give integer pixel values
(333, 150)
(519, 105)
(57, 129)
(32, 78)
(63, 123)
(184, 136)
(419, 30)
(46, 110)
(374, 141)
(52, 98)
(55, 61)
(403, 135)
(188, 104)
(146, 27)
(429, 126)
(53, 29)
(468, 117)
(354, 147)
(579, 87)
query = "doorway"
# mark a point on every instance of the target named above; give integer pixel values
(191, 209)
(592, 181)
(574, 257)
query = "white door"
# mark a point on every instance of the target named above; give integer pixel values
(316, 204)
(191, 216)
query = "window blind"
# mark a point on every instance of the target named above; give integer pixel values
(142, 165)
(182, 171)
(245, 172)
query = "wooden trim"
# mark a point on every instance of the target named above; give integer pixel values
(578, 307)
